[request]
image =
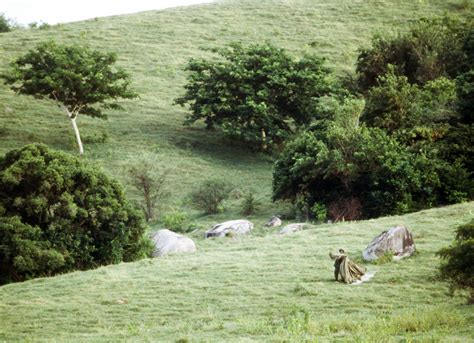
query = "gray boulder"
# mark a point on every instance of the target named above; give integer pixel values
(274, 221)
(292, 228)
(397, 240)
(236, 227)
(167, 241)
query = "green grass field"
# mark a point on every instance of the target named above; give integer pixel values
(262, 287)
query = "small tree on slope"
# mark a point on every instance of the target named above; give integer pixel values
(80, 80)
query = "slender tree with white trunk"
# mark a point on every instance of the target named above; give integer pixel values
(78, 79)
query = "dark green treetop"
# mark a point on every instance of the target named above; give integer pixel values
(258, 94)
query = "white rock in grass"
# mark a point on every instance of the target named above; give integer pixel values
(292, 228)
(231, 227)
(397, 240)
(167, 241)
(274, 221)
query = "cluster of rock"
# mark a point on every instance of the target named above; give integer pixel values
(397, 240)
(290, 228)
(166, 241)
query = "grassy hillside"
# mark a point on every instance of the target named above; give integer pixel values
(154, 47)
(261, 287)
(253, 288)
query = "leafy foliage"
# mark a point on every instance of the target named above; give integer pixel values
(75, 76)
(24, 253)
(210, 195)
(457, 266)
(423, 97)
(257, 94)
(414, 112)
(432, 48)
(80, 80)
(177, 221)
(409, 82)
(408, 147)
(58, 214)
(358, 171)
(465, 92)
(319, 212)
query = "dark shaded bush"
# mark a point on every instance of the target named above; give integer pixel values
(358, 171)
(58, 214)
(345, 209)
(465, 92)
(457, 264)
(432, 48)
(363, 173)
(24, 253)
(408, 145)
(460, 137)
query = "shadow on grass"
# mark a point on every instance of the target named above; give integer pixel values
(214, 146)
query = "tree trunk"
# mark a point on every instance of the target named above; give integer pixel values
(73, 119)
(264, 140)
(78, 136)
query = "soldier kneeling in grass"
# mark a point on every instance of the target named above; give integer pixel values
(345, 268)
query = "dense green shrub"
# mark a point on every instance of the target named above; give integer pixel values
(408, 145)
(457, 264)
(409, 83)
(465, 92)
(210, 195)
(257, 94)
(419, 88)
(319, 212)
(58, 214)
(410, 111)
(345, 168)
(24, 253)
(423, 118)
(432, 48)
(358, 171)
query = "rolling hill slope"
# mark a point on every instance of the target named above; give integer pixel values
(155, 46)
